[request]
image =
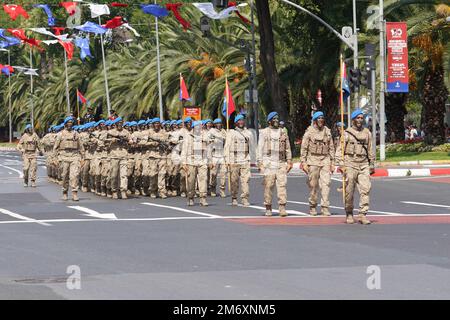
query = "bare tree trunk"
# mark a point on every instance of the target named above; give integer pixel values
(395, 114)
(278, 93)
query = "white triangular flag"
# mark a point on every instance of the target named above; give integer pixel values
(98, 10)
(126, 25)
(208, 9)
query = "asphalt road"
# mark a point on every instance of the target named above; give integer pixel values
(142, 248)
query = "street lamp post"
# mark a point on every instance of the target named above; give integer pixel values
(105, 74)
(158, 60)
(355, 51)
(9, 96)
(382, 84)
(255, 84)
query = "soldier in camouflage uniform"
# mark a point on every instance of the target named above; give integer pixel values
(217, 137)
(357, 165)
(274, 159)
(317, 160)
(29, 145)
(70, 150)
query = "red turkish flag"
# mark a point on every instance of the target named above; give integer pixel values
(114, 23)
(14, 10)
(70, 7)
(58, 30)
(68, 47)
(20, 34)
(117, 4)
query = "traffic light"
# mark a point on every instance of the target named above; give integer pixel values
(365, 76)
(355, 79)
(205, 26)
(220, 3)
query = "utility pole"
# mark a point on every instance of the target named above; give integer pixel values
(255, 84)
(355, 51)
(160, 99)
(382, 84)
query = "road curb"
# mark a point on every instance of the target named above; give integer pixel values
(7, 149)
(405, 172)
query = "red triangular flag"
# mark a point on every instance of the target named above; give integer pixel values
(58, 30)
(114, 23)
(184, 94)
(70, 7)
(81, 98)
(14, 10)
(20, 34)
(174, 8)
(117, 4)
(68, 47)
(230, 107)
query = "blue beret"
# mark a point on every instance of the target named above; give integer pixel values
(208, 121)
(141, 122)
(149, 121)
(187, 119)
(173, 122)
(126, 124)
(118, 119)
(108, 122)
(133, 123)
(317, 114)
(69, 118)
(101, 121)
(197, 123)
(271, 115)
(156, 120)
(28, 126)
(179, 122)
(217, 121)
(238, 117)
(356, 113)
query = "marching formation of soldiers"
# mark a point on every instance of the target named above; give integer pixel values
(194, 159)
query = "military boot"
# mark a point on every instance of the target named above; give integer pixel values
(64, 197)
(108, 193)
(282, 210)
(222, 194)
(103, 192)
(268, 210)
(183, 195)
(33, 184)
(153, 195)
(326, 211)
(363, 219)
(115, 195)
(245, 202)
(349, 219)
(25, 183)
(190, 202)
(124, 195)
(234, 202)
(203, 202)
(213, 194)
(313, 211)
(75, 196)
(163, 196)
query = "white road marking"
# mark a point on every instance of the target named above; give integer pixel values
(182, 210)
(427, 204)
(277, 211)
(93, 213)
(437, 166)
(413, 178)
(9, 168)
(22, 218)
(370, 211)
(336, 179)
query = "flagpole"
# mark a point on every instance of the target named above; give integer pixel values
(226, 98)
(31, 88)
(67, 83)
(78, 108)
(105, 74)
(341, 102)
(161, 114)
(9, 100)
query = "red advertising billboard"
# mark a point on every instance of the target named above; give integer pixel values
(397, 54)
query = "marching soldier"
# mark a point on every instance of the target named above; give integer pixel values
(357, 165)
(28, 146)
(90, 145)
(217, 136)
(317, 160)
(194, 155)
(274, 160)
(48, 141)
(70, 150)
(119, 139)
(237, 156)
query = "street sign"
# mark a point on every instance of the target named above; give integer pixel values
(247, 96)
(397, 48)
(347, 32)
(193, 112)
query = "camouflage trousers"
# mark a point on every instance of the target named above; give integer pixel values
(29, 167)
(319, 177)
(240, 173)
(197, 174)
(275, 175)
(70, 173)
(119, 178)
(217, 170)
(359, 178)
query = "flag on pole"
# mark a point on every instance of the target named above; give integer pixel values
(14, 10)
(184, 94)
(155, 10)
(118, 4)
(114, 23)
(81, 98)
(98, 10)
(68, 47)
(10, 41)
(71, 7)
(91, 28)
(20, 34)
(6, 69)
(83, 44)
(344, 80)
(228, 102)
(46, 8)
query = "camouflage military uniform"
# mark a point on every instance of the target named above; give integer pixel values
(119, 140)
(317, 155)
(28, 146)
(217, 164)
